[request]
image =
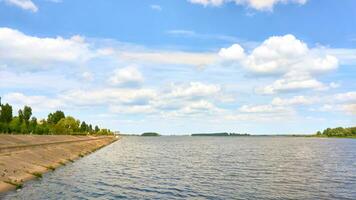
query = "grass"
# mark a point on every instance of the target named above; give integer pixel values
(62, 163)
(37, 174)
(51, 168)
(81, 155)
(14, 183)
(70, 160)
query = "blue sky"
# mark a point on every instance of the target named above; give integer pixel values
(183, 66)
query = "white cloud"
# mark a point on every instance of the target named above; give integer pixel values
(348, 108)
(346, 97)
(135, 109)
(18, 49)
(194, 108)
(282, 54)
(36, 81)
(156, 7)
(36, 102)
(167, 57)
(88, 76)
(292, 82)
(109, 96)
(255, 4)
(194, 90)
(287, 57)
(23, 4)
(264, 109)
(235, 52)
(128, 76)
(296, 100)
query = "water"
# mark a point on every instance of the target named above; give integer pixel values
(206, 168)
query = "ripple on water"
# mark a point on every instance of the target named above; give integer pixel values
(206, 168)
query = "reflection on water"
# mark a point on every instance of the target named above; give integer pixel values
(206, 168)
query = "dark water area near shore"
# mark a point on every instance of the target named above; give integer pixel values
(205, 168)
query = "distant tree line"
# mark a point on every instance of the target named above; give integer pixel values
(56, 123)
(338, 132)
(220, 134)
(150, 134)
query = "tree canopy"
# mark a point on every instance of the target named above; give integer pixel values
(338, 132)
(56, 123)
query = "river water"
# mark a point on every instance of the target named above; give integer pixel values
(205, 168)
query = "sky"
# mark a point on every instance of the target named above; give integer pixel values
(183, 66)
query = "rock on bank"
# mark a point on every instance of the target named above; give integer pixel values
(24, 157)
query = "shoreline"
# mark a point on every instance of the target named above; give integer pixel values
(26, 157)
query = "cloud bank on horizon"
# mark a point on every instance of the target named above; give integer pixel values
(281, 84)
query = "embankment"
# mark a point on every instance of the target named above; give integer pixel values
(24, 157)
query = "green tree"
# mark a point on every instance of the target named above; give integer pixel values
(84, 127)
(15, 125)
(67, 125)
(104, 132)
(21, 117)
(54, 118)
(42, 128)
(6, 113)
(97, 129)
(33, 125)
(27, 112)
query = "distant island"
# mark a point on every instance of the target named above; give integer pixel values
(338, 132)
(150, 134)
(220, 134)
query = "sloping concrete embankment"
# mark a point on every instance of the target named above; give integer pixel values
(24, 157)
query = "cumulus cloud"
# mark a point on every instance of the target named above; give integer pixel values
(128, 76)
(37, 102)
(267, 108)
(348, 108)
(346, 97)
(296, 100)
(194, 90)
(19, 49)
(280, 55)
(286, 57)
(292, 82)
(109, 96)
(168, 57)
(255, 4)
(135, 109)
(23, 4)
(235, 52)
(193, 108)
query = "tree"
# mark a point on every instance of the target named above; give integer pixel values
(104, 132)
(67, 125)
(6, 113)
(33, 125)
(83, 127)
(15, 125)
(90, 128)
(21, 117)
(55, 117)
(27, 112)
(97, 129)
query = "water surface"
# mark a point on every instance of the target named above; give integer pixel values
(206, 168)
